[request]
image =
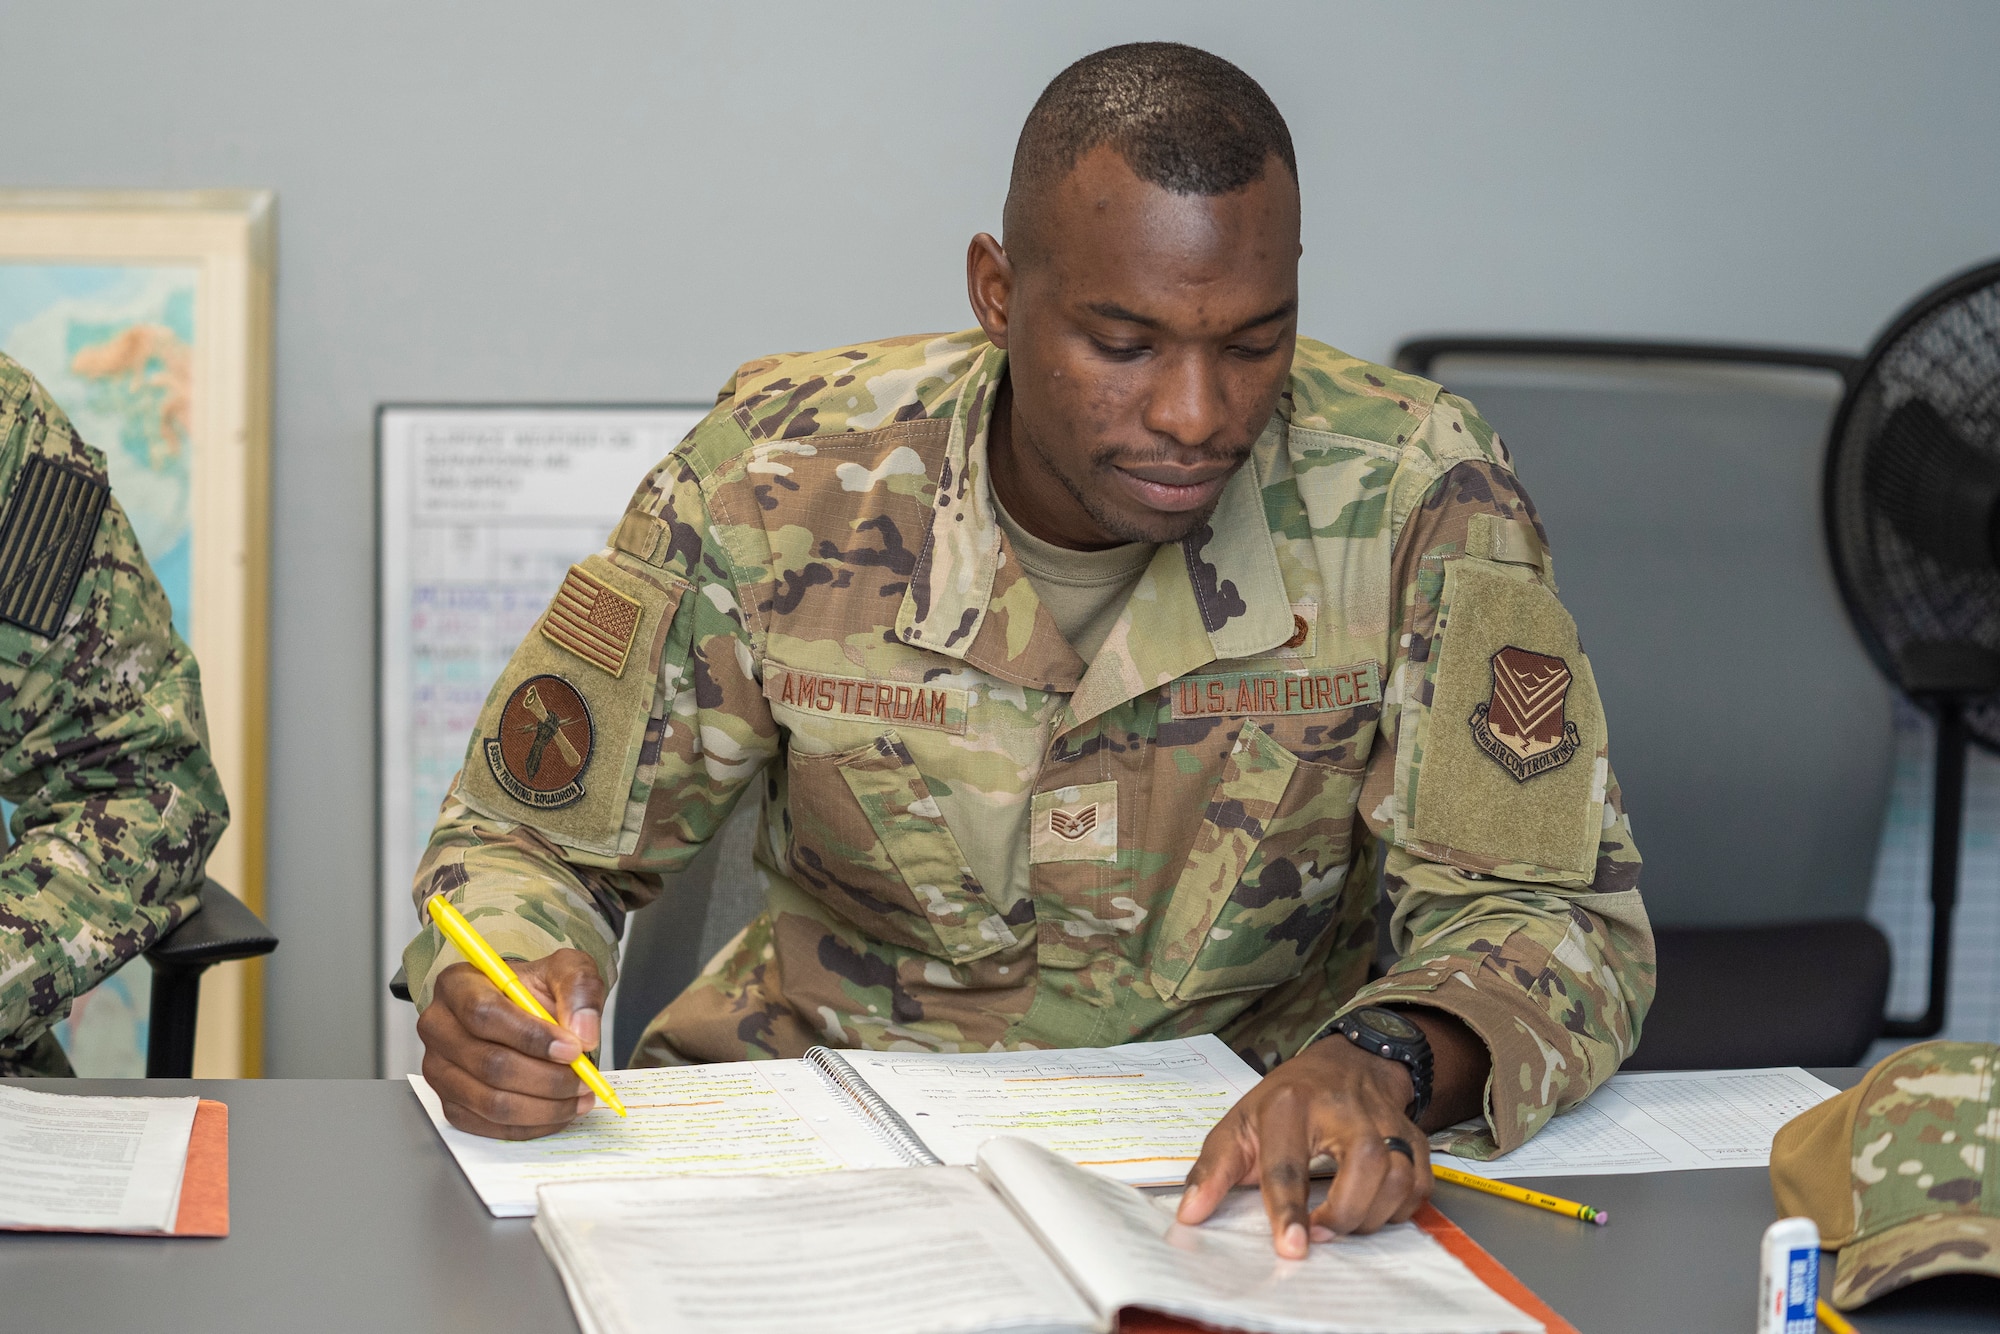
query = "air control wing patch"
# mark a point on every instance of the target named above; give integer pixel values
(1522, 725)
(544, 744)
(50, 523)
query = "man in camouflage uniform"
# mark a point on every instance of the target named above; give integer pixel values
(103, 745)
(1089, 667)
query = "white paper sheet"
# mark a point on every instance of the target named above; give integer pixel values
(1124, 1249)
(1136, 1113)
(1663, 1121)
(923, 1250)
(97, 1164)
(774, 1117)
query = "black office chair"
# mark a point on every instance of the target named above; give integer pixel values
(224, 930)
(1750, 733)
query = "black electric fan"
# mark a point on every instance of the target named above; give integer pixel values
(1913, 525)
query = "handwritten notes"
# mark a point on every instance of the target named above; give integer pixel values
(766, 1117)
(1136, 1113)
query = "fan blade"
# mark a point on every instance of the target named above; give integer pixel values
(1937, 491)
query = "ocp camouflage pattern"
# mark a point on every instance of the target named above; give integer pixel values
(104, 753)
(1047, 855)
(1901, 1172)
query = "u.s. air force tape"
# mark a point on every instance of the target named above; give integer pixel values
(50, 521)
(1274, 694)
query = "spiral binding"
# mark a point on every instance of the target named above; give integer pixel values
(889, 1123)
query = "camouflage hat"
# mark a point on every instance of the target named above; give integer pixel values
(1902, 1171)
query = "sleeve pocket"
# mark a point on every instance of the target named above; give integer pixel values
(1501, 764)
(558, 743)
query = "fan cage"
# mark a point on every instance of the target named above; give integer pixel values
(1945, 350)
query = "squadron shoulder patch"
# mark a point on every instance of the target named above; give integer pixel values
(593, 620)
(50, 522)
(1522, 725)
(544, 744)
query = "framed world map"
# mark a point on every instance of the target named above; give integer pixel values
(146, 315)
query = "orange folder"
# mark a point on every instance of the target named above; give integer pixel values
(204, 1207)
(1447, 1234)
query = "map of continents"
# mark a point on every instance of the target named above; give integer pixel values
(113, 344)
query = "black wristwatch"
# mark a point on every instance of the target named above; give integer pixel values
(1388, 1034)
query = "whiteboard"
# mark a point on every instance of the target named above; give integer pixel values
(481, 510)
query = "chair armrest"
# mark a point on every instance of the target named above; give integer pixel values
(224, 929)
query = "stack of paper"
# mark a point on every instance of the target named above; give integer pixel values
(92, 1164)
(1660, 1121)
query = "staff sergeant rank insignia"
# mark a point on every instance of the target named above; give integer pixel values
(544, 744)
(1522, 725)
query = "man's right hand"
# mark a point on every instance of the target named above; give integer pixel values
(499, 1071)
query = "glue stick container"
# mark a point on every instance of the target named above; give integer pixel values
(1788, 1290)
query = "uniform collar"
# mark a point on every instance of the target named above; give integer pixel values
(1215, 594)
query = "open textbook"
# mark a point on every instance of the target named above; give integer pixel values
(92, 1164)
(1661, 1121)
(1027, 1242)
(1136, 1113)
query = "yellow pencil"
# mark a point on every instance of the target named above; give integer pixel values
(481, 956)
(1508, 1191)
(1832, 1319)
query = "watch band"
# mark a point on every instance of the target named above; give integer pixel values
(1389, 1035)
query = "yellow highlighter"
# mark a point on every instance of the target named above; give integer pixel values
(481, 956)
(1507, 1190)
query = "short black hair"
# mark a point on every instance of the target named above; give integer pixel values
(1181, 118)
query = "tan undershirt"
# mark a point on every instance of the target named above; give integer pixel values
(1084, 590)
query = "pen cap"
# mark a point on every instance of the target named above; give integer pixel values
(1902, 1171)
(1788, 1278)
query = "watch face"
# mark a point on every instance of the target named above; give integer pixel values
(1390, 1025)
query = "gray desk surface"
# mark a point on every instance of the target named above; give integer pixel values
(347, 1215)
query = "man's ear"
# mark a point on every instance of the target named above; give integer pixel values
(989, 285)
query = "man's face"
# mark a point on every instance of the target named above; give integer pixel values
(1149, 335)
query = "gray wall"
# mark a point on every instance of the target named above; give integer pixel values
(622, 201)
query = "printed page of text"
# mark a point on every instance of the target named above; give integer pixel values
(1663, 1121)
(98, 1164)
(920, 1250)
(1136, 1113)
(750, 1116)
(1125, 1249)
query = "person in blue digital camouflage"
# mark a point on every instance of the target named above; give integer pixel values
(1091, 668)
(103, 745)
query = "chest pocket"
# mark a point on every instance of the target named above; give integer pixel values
(1263, 878)
(869, 842)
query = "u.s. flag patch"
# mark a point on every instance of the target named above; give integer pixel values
(50, 523)
(593, 620)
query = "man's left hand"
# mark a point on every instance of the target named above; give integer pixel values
(1332, 1098)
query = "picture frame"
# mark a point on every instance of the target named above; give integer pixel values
(148, 317)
